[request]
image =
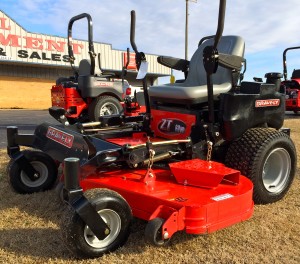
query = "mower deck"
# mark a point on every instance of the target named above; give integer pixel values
(208, 196)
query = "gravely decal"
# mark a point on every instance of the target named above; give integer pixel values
(103, 84)
(60, 137)
(267, 103)
(171, 126)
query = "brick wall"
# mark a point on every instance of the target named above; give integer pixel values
(29, 93)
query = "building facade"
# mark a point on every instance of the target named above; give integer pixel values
(31, 62)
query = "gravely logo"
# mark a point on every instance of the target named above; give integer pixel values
(171, 126)
(60, 137)
(103, 84)
(267, 103)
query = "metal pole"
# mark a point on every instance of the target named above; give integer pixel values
(186, 27)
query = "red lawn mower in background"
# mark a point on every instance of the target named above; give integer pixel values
(87, 95)
(292, 86)
(203, 151)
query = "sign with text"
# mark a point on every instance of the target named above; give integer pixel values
(17, 44)
(21, 46)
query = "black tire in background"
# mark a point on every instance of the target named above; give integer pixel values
(268, 158)
(113, 209)
(41, 162)
(104, 105)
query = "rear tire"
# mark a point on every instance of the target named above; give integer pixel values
(268, 158)
(104, 105)
(41, 162)
(113, 209)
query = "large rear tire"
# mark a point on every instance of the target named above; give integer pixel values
(104, 105)
(268, 158)
(113, 209)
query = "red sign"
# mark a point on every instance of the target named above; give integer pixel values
(132, 64)
(267, 103)
(29, 42)
(60, 137)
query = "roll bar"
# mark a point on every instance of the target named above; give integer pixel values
(132, 31)
(90, 40)
(128, 58)
(205, 38)
(139, 57)
(211, 62)
(284, 61)
(124, 69)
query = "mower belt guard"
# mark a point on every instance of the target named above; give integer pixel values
(206, 174)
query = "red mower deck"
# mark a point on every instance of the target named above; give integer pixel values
(209, 199)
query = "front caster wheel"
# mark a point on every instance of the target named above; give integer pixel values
(42, 163)
(115, 212)
(154, 233)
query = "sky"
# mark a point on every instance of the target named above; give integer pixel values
(268, 27)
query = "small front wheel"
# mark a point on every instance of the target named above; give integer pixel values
(154, 232)
(42, 163)
(114, 211)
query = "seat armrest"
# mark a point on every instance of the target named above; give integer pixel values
(107, 74)
(174, 63)
(231, 62)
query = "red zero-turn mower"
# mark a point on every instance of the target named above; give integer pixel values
(87, 95)
(292, 86)
(204, 150)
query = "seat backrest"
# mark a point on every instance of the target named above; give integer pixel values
(233, 45)
(296, 74)
(84, 67)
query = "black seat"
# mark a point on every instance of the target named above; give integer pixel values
(194, 88)
(85, 69)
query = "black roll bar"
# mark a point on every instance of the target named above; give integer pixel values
(204, 39)
(210, 61)
(90, 40)
(139, 57)
(284, 61)
(128, 58)
(132, 32)
(124, 70)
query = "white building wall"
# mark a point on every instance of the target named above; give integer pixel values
(20, 46)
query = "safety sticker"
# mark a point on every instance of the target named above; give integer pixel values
(60, 137)
(222, 197)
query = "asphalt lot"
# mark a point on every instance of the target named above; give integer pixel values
(25, 120)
